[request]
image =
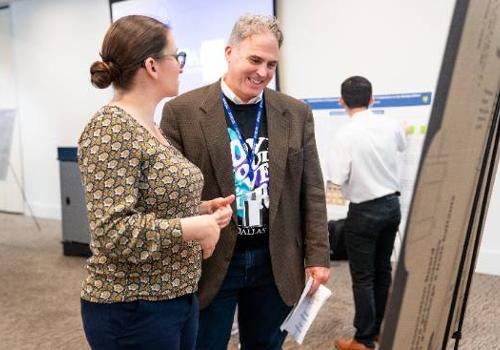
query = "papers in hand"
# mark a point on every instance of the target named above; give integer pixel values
(303, 314)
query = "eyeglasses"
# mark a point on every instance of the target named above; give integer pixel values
(180, 57)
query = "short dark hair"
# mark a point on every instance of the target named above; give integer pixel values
(128, 42)
(356, 91)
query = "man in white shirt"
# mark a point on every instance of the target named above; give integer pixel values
(364, 163)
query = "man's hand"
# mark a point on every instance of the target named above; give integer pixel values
(319, 275)
(211, 206)
(223, 216)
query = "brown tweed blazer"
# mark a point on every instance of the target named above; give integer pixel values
(195, 123)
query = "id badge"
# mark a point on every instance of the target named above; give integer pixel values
(253, 211)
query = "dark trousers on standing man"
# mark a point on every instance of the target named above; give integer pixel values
(370, 231)
(249, 283)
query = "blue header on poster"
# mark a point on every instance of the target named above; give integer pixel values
(381, 101)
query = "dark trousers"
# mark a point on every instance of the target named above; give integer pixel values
(370, 231)
(249, 283)
(142, 325)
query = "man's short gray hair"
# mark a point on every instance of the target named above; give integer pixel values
(249, 25)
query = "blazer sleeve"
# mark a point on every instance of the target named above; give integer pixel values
(315, 231)
(170, 127)
(110, 164)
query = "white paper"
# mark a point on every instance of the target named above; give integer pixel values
(254, 212)
(303, 314)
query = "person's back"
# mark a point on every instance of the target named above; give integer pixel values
(364, 162)
(374, 143)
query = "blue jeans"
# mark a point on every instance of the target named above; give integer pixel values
(142, 325)
(249, 283)
(370, 231)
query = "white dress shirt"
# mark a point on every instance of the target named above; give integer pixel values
(364, 158)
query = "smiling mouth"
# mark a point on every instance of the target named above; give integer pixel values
(255, 82)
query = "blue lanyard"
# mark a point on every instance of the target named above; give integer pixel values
(250, 152)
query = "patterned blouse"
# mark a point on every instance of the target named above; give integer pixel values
(136, 190)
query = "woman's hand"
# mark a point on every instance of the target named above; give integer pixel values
(204, 229)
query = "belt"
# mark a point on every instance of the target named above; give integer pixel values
(390, 195)
(387, 196)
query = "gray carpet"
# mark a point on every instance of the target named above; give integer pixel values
(39, 296)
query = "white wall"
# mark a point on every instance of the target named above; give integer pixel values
(55, 41)
(396, 44)
(489, 254)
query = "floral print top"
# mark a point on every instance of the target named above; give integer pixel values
(136, 191)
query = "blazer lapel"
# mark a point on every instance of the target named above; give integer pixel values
(278, 129)
(214, 130)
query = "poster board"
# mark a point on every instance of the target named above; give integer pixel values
(6, 136)
(454, 182)
(410, 110)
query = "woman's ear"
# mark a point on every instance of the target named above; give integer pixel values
(149, 65)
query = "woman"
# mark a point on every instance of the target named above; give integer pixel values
(143, 201)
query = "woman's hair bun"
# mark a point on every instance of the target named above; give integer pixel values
(102, 74)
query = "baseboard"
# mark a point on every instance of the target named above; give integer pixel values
(487, 262)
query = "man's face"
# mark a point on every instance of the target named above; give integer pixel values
(251, 64)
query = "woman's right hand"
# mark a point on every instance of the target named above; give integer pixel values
(204, 229)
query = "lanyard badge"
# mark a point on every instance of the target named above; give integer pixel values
(250, 151)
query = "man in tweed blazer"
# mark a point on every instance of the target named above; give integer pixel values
(258, 144)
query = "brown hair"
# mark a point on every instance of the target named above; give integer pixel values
(128, 42)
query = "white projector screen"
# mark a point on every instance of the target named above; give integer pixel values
(201, 29)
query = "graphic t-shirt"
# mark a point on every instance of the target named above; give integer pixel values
(252, 193)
